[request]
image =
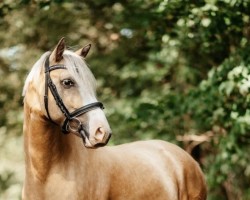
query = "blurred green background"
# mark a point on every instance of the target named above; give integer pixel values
(172, 70)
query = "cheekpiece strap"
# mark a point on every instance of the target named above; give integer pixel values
(50, 85)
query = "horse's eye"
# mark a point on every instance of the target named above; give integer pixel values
(67, 83)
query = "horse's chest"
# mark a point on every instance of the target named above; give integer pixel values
(60, 188)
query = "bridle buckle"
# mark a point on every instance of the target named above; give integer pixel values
(74, 125)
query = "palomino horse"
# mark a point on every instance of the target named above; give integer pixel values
(60, 98)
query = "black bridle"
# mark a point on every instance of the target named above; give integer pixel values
(69, 117)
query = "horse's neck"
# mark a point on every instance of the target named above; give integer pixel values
(45, 146)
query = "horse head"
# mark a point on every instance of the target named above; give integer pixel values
(65, 89)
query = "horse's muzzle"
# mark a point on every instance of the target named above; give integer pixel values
(105, 143)
(93, 142)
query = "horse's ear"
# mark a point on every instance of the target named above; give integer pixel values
(83, 52)
(57, 54)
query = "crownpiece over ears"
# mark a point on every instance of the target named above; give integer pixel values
(83, 52)
(57, 54)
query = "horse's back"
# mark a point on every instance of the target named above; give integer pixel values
(155, 170)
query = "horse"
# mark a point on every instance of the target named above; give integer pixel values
(65, 136)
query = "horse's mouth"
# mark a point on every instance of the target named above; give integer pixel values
(88, 144)
(103, 144)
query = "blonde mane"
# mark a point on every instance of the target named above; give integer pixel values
(76, 67)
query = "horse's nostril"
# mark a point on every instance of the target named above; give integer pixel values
(100, 133)
(104, 143)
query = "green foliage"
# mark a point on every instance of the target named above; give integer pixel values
(165, 69)
(225, 99)
(5, 180)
